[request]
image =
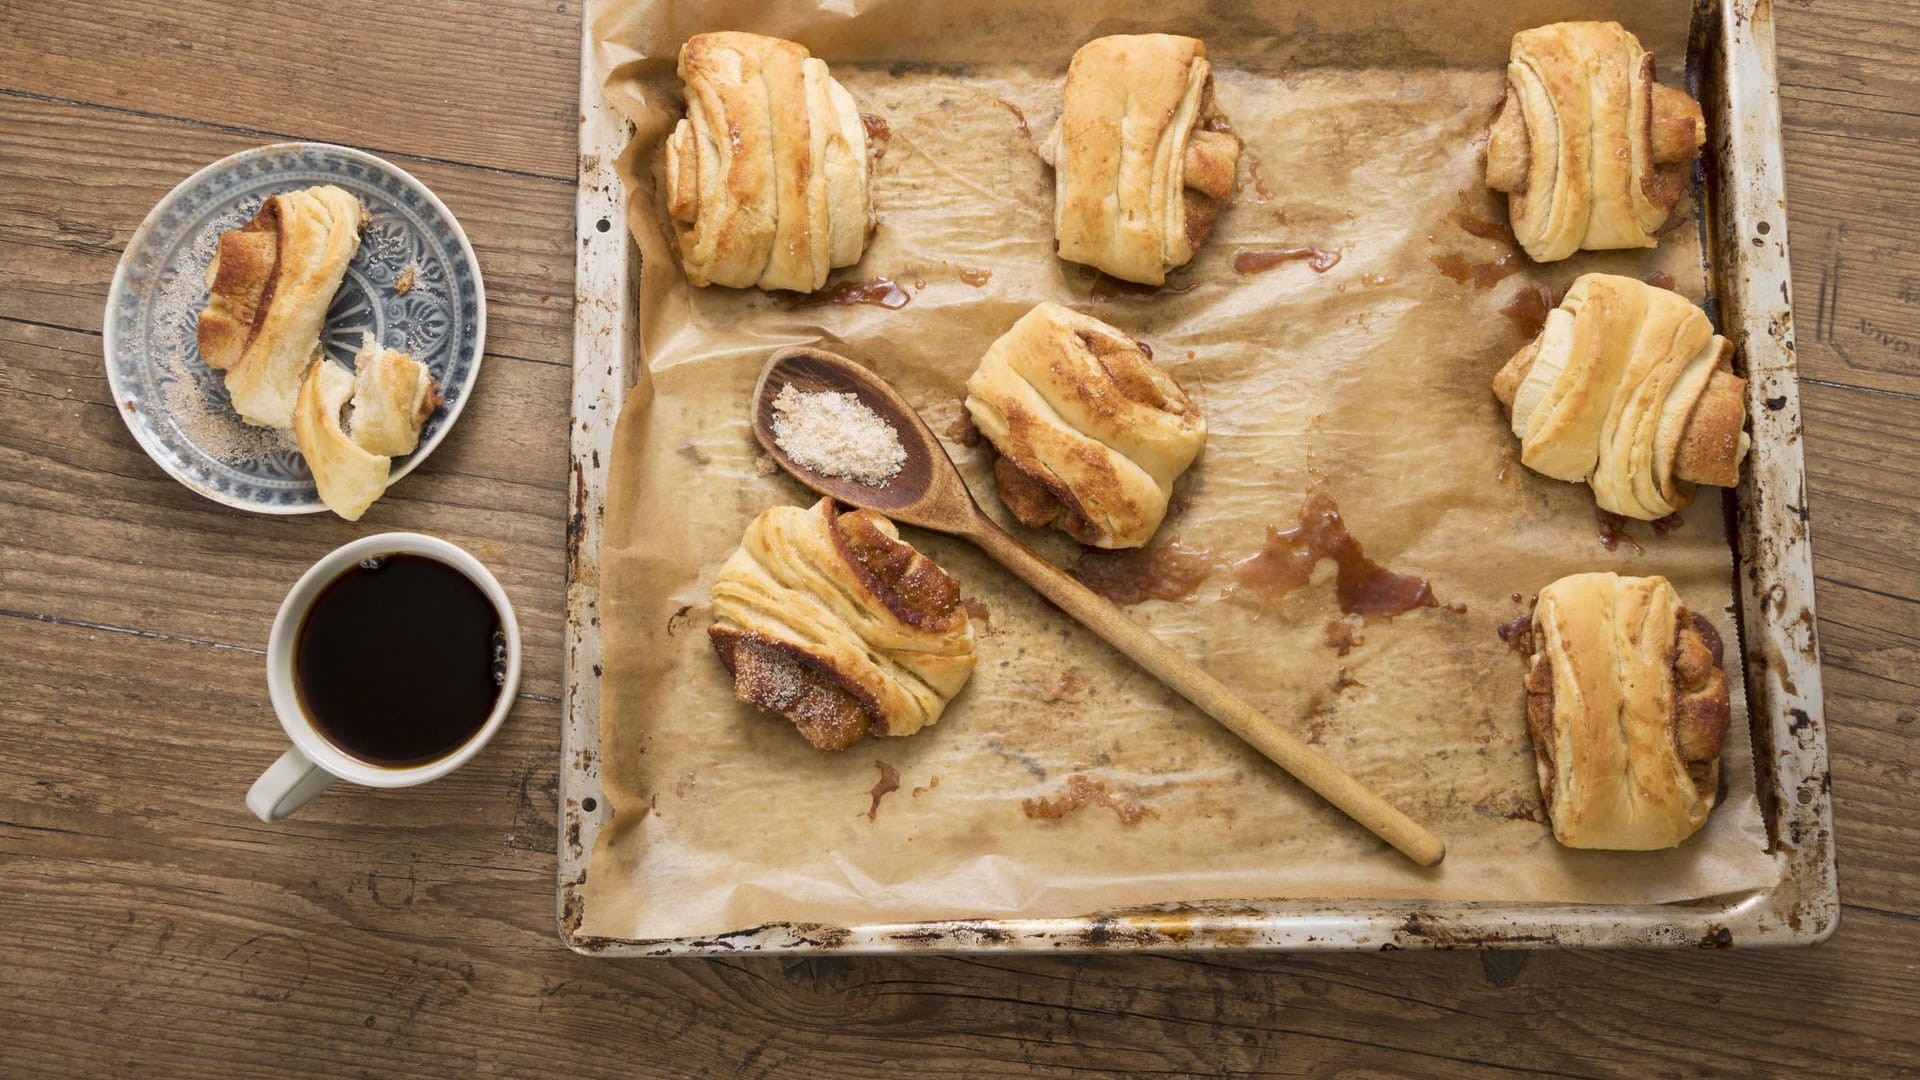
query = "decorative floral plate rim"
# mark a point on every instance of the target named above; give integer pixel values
(153, 364)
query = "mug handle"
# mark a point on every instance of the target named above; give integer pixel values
(286, 786)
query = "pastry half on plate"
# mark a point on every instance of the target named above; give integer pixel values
(182, 382)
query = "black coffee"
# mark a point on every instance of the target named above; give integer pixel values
(400, 660)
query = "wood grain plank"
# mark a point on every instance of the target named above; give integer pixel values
(1850, 118)
(480, 82)
(93, 530)
(413, 931)
(71, 195)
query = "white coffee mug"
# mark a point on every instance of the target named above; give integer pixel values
(313, 763)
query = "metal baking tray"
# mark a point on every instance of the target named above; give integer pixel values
(1746, 241)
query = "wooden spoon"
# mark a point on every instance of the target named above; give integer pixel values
(929, 492)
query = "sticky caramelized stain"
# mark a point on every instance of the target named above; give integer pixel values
(1255, 260)
(877, 127)
(1508, 458)
(1364, 587)
(1342, 635)
(978, 612)
(1169, 571)
(1082, 791)
(1613, 532)
(962, 430)
(1019, 118)
(1344, 680)
(1072, 688)
(878, 292)
(888, 783)
(1528, 309)
(1660, 279)
(1482, 275)
(930, 785)
(1517, 632)
(1665, 525)
(1478, 226)
(1375, 281)
(976, 278)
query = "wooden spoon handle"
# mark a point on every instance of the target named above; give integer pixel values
(1286, 749)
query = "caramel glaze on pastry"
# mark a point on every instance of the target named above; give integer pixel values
(1591, 151)
(834, 622)
(1628, 708)
(1090, 433)
(1628, 389)
(767, 175)
(271, 282)
(1142, 158)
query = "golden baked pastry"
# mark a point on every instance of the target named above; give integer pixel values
(1591, 151)
(272, 281)
(1091, 433)
(1142, 158)
(834, 622)
(767, 174)
(1628, 709)
(1628, 389)
(349, 478)
(393, 394)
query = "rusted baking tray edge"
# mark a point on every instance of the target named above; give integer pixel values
(1747, 235)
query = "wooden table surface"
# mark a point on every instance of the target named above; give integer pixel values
(150, 926)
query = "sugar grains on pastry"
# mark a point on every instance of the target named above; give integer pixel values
(1143, 160)
(1627, 703)
(1628, 389)
(767, 176)
(1090, 433)
(1590, 149)
(834, 622)
(271, 282)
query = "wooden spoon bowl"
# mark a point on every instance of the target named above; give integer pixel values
(929, 492)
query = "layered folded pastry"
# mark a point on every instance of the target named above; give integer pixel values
(834, 622)
(1142, 158)
(1628, 389)
(393, 394)
(1628, 709)
(1591, 151)
(350, 425)
(1090, 433)
(767, 175)
(272, 281)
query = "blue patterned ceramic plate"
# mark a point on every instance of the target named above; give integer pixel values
(177, 407)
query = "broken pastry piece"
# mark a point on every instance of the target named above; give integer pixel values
(393, 394)
(1592, 152)
(271, 282)
(767, 175)
(834, 622)
(1628, 708)
(1628, 389)
(1090, 433)
(1142, 158)
(349, 478)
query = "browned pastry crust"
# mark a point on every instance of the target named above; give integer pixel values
(1596, 744)
(1143, 161)
(832, 621)
(1627, 388)
(242, 272)
(1590, 149)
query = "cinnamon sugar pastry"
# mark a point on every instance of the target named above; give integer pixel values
(1627, 704)
(833, 621)
(1591, 151)
(767, 175)
(349, 478)
(272, 281)
(1628, 389)
(1091, 433)
(1142, 158)
(393, 394)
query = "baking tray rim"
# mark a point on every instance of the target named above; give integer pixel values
(1747, 242)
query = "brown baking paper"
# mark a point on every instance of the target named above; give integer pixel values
(1362, 123)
